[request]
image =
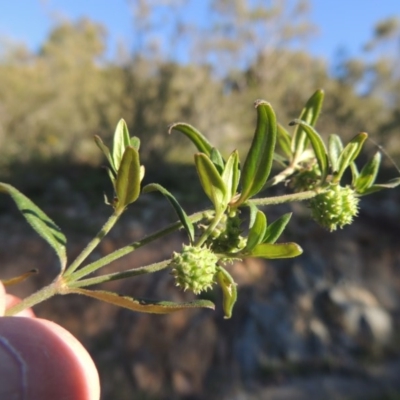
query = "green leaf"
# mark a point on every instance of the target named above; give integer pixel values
(39, 221)
(284, 141)
(257, 166)
(200, 141)
(309, 114)
(381, 186)
(105, 150)
(257, 231)
(135, 142)
(216, 158)
(272, 251)
(229, 291)
(349, 154)
(274, 230)
(354, 173)
(120, 141)
(187, 224)
(231, 174)
(127, 184)
(335, 147)
(253, 213)
(317, 144)
(211, 181)
(368, 174)
(111, 175)
(141, 305)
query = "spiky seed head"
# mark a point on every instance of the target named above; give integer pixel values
(335, 208)
(194, 268)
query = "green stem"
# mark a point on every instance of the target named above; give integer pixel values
(210, 229)
(148, 269)
(267, 201)
(35, 298)
(93, 243)
(94, 266)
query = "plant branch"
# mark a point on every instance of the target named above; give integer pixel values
(309, 194)
(148, 269)
(94, 266)
(93, 243)
(35, 298)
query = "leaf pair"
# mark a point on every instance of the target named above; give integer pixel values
(220, 180)
(294, 147)
(364, 181)
(125, 170)
(262, 237)
(220, 187)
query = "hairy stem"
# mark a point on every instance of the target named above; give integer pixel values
(94, 266)
(267, 201)
(148, 269)
(35, 298)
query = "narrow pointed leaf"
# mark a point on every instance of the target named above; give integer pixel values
(141, 305)
(39, 221)
(187, 224)
(274, 230)
(309, 114)
(200, 141)
(317, 144)
(231, 174)
(335, 148)
(284, 140)
(211, 181)
(105, 150)
(120, 141)
(127, 184)
(257, 166)
(112, 176)
(253, 213)
(280, 250)
(368, 174)
(19, 278)
(350, 153)
(257, 231)
(354, 174)
(381, 186)
(229, 291)
(216, 158)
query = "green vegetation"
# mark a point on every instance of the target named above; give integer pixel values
(53, 101)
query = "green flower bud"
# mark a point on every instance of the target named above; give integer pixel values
(336, 207)
(194, 268)
(228, 239)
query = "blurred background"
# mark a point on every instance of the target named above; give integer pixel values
(324, 325)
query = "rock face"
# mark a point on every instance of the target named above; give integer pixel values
(318, 315)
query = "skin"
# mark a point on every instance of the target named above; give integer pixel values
(40, 360)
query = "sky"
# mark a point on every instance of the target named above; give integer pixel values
(343, 24)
